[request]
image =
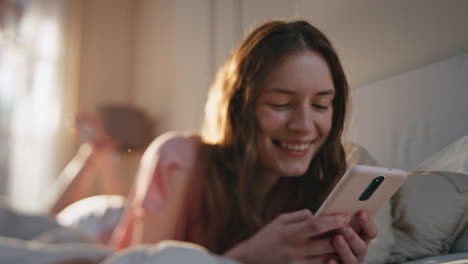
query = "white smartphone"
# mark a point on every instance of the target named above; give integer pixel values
(362, 188)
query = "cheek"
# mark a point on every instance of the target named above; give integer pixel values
(269, 121)
(327, 123)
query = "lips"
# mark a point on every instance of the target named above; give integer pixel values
(296, 146)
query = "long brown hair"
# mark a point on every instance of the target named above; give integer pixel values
(228, 211)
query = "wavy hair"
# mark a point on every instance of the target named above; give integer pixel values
(228, 213)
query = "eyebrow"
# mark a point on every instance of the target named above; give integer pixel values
(279, 90)
(289, 92)
(326, 92)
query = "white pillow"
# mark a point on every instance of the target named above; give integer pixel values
(357, 154)
(96, 216)
(461, 244)
(444, 259)
(453, 158)
(430, 211)
(23, 226)
(37, 228)
(23, 251)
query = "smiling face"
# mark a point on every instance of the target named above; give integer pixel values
(294, 114)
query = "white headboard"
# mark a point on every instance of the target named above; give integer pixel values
(405, 119)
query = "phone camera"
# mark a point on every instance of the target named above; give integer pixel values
(371, 188)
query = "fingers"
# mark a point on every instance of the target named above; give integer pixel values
(369, 228)
(315, 225)
(294, 217)
(328, 259)
(303, 233)
(344, 251)
(352, 247)
(88, 127)
(313, 248)
(357, 247)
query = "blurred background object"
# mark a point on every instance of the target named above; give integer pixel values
(127, 125)
(113, 140)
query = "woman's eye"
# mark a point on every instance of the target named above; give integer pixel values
(279, 105)
(321, 107)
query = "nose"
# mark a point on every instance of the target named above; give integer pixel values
(302, 120)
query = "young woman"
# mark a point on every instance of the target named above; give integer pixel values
(268, 154)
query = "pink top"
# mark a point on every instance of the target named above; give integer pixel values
(150, 192)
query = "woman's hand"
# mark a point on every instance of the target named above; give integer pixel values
(351, 247)
(90, 129)
(297, 237)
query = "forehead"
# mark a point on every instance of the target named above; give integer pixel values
(300, 72)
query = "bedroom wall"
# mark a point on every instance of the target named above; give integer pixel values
(181, 43)
(174, 61)
(106, 72)
(405, 119)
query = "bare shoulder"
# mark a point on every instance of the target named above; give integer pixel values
(175, 140)
(169, 162)
(176, 148)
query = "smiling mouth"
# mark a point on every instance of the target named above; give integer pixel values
(297, 147)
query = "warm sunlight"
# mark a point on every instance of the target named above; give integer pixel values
(36, 113)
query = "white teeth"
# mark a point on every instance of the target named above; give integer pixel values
(295, 147)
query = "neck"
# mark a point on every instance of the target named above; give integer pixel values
(268, 180)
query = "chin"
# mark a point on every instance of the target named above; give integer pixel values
(294, 173)
(295, 168)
